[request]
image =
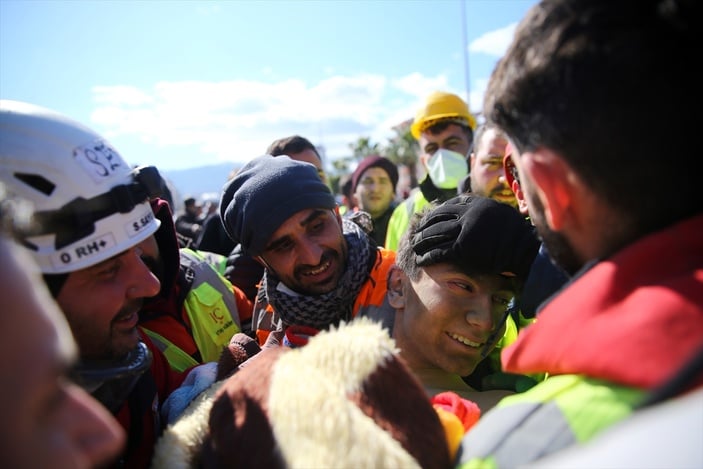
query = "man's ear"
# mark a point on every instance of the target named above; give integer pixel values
(553, 183)
(396, 279)
(424, 158)
(472, 161)
(520, 197)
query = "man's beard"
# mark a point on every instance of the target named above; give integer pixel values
(558, 246)
(119, 345)
(303, 286)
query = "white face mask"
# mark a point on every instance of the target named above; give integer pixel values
(446, 168)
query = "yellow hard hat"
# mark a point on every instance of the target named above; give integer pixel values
(441, 106)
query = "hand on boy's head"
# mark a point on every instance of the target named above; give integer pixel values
(478, 234)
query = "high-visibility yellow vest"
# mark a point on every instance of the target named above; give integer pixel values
(211, 309)
(400, 219)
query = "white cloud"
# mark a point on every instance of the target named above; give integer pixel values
(477, 92)
(195, 123)
(495, 42)
(420, 86)
(235, 120)
(128, 95)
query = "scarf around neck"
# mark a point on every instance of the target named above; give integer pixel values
(322, 311)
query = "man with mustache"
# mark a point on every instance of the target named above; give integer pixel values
(242, 270)
(444, 129)
(319, 268)
(93, 239)
(486, 163)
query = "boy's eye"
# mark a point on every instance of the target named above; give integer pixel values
(464, 286)
(502, 300)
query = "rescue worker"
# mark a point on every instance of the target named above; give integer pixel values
(573, 93)
(197, 310)
(242, 270)
(444, 129)
(92, 238)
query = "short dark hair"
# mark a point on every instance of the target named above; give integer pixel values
(603, 83)
(291, 145)
(442, 124)
(481, 129)
(405, 256)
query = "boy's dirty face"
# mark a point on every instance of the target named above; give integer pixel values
(449, 316)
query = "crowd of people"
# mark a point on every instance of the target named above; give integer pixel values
(533, 302)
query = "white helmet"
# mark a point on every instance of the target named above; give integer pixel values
(90, 204)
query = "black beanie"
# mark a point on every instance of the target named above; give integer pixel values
(477, 234)
(265, 193)
(374, 161)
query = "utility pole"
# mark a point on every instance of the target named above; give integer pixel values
(465, 50)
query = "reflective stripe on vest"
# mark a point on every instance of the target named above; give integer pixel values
(211, 307)
(177, 358)
(557, 413)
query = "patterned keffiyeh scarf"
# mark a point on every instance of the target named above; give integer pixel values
(322, 311)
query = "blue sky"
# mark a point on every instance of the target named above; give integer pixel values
(189, 83)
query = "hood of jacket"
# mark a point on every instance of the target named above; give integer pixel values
(168, 248)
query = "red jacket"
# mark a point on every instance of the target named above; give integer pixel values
(139, 415)
(633, 319)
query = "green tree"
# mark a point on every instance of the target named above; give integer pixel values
(363, 148)
(402, 149)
